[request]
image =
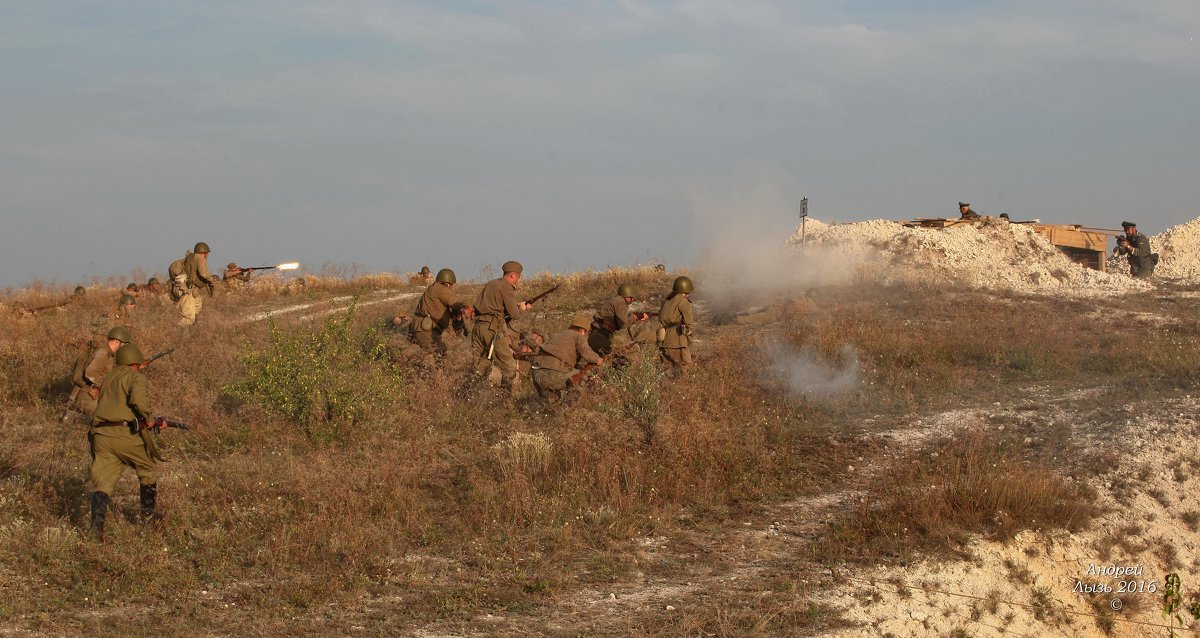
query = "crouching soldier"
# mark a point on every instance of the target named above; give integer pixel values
(614, 326)
(117, 440)
(90, 369)
(556, 361)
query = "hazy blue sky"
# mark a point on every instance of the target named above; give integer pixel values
(571, 134)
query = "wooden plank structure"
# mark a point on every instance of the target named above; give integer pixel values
(1085, 246)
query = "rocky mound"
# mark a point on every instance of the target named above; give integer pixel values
(1179, 253)
(993, 254)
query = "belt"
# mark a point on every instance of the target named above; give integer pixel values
(106, 424)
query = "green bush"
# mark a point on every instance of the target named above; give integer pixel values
(324, 377)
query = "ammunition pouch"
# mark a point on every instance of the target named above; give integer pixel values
(660, 335)
(425, 324)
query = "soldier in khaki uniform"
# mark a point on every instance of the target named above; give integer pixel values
(90, 369)
(613, 326)
(436, 310)
(193, 276)
(556, 362)
(528, 346)
(675, 336)
(117, 441)
(235, 276)
(495, 307)
(128, 301)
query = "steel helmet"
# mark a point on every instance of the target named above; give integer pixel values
(682, 284)
(128, 355)
(446, 276)
(582, 319)
(201, 248)
(424, 270)
(626, 290)
(120, 334)
(153, 281)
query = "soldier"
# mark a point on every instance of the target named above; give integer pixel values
(613, 325)
(965, 212)
(495, 307)
(529, 345)
(117, 440)
(1137, 247)
(436, 310)
(675, 335)
(153, 286)
(91, 366)
(128, 300)
(189, 275)
(236, 276)
(556, 362)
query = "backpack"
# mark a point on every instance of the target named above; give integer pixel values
(178, 277)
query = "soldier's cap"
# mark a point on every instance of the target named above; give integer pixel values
(963, 205)
(512, 266)
(1128, 225)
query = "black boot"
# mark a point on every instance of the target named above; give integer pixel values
(149, 495)
(99, 509)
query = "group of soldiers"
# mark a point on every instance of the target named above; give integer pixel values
(112, 395)
(554, 362)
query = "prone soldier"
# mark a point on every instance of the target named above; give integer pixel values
(556, 361)
(675, 335)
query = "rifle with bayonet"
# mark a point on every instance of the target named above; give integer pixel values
(157, 357)
(159, 424)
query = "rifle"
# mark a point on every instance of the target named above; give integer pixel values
(157, 356)
(542, 295)
(160, 424)
(579, 375)
(40, 309)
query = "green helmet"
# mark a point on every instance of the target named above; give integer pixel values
(153, 281)
(446, 276)
(682, 284)
(626, 290)
(79, 290)
(128, 355)
(582, 319)
(201, 248)
(424, 270)
(120, 334)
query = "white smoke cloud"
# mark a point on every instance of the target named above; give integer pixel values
(806, 374)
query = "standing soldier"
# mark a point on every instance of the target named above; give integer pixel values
(1137, 247)
(613, 325)
(117, 439)
(675, 335)
(436, 309)
(556, 361)
(90, 369)
(495, 307)
(189, 275)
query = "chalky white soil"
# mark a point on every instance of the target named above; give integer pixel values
(991, 255)
(1141, 528)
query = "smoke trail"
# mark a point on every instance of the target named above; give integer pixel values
(807, 375)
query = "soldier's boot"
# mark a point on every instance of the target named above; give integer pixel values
(99, 510)
(149, 497)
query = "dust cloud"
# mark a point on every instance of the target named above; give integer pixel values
(807, 375)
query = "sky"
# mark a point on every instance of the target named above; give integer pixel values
(571, 135)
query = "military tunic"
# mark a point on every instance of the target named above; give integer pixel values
(494, 308)
(555, 363)
(124, 398)
(676, 319)
(89, 371)
(1141, 260)
(195, 269)
(610, 326)
(434, 315)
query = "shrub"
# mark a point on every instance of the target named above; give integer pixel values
(323, 377)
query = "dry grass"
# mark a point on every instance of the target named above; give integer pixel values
(442, 507)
